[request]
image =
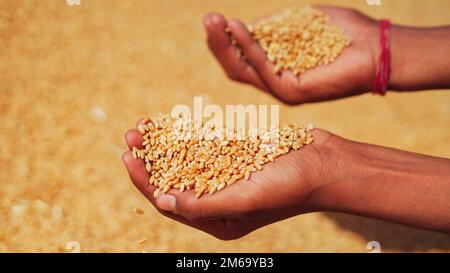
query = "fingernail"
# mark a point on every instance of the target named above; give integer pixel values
(167, 202)
(207, 23)
(215, 18)
(123, 156)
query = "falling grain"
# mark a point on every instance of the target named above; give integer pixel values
(143, 240)
(138, 211)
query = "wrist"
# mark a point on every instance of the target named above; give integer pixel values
(369, 38)
(387, 184)
(332, 170)
(418, 58)
(399, 37)
(349, 170)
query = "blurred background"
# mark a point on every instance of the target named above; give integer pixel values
(73, 79)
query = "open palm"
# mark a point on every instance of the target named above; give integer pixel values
(279, 191)
(350, 74)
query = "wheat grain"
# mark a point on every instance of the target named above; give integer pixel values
(138, 211)
(298, 39)
(208, 165)
(143, 240)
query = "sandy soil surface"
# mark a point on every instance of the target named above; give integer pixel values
(73, 79)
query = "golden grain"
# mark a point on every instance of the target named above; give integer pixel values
(198, 194)
(298, 39)
(221, 186)
(247, 175)
(208, 165)
(166, 189)
(143, 240)
(213, 190)
(138, 211)
(156, 192)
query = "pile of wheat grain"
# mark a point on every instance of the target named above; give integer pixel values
(299, 39)
(179, 156)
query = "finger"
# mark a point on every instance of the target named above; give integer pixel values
(134, 139)
(206, 208)
(139, 176)
(175, 201)
(215, 25)
(140, 122)
(255, 54)
(333, 10)
(224, 229)
(215, 228)
(220, 45)
(207, 226)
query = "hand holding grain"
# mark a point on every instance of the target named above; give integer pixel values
(279, 191)
(352, 73)
(330, 174)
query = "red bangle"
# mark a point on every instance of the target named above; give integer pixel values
(382, 76)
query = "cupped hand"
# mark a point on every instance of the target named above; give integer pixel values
(352, 73)
(281, 190)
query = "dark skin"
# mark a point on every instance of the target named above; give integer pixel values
(332, 173)
(258, 205)
(350, 74)
(417, 61)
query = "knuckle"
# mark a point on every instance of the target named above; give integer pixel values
(227, 236)
(193, 217)
(290, 95)
(233, 76)
(288, 100)
(286, 97)
(214, 45)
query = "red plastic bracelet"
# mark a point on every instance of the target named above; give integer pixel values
(382, 76)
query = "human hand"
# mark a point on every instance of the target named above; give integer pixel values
(281, 190)
(352, 73)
